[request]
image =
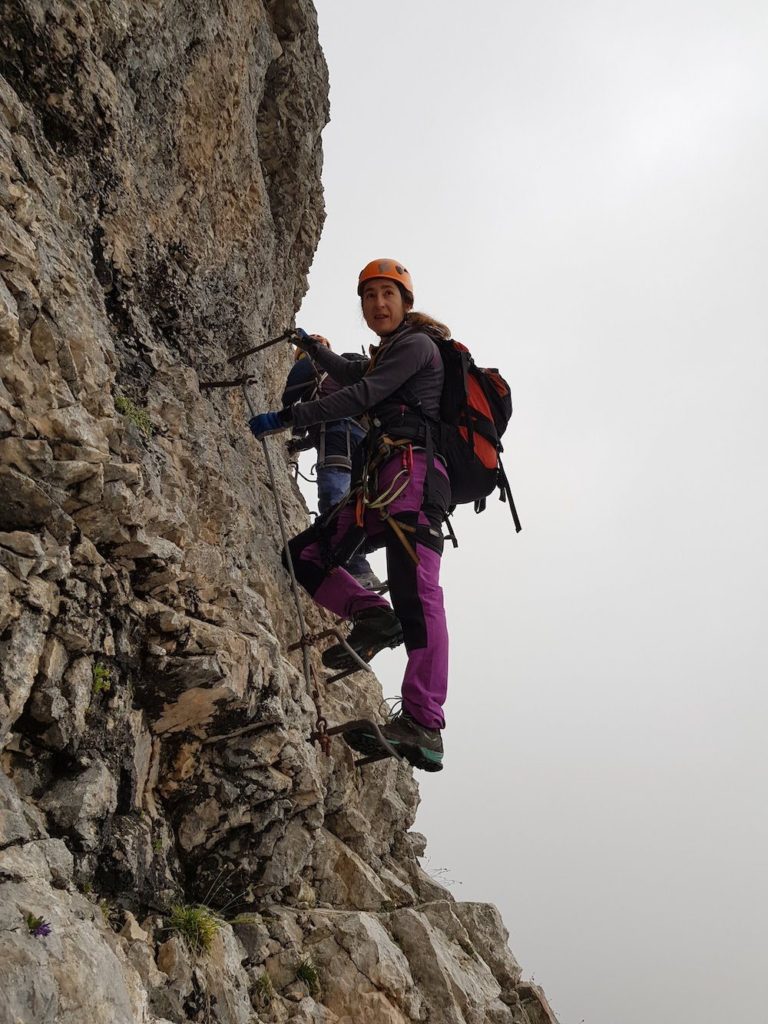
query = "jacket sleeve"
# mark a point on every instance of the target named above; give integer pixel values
(406, 357)
(345, 371)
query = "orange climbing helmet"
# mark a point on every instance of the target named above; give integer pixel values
(390, 269)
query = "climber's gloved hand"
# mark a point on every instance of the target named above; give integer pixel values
(302, 340)
(266, 423)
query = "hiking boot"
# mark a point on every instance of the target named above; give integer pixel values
(373, 630)
(420, 746)
(368, 579)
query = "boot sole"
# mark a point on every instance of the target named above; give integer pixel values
(337, 657)
(420, 757)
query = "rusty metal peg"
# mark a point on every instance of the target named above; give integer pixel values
(313, 638)
(310, 639)
(366, 723)
(285, 336)
(206, 385)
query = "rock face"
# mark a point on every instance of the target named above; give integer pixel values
(160, 203)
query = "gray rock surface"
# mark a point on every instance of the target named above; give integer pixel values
(160, 204)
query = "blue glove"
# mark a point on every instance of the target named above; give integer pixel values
(266, 423)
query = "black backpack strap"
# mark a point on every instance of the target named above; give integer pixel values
(321, 448)
(406, 395)
(466, 362)
(429, 452)
(506, 495)
(449, 526)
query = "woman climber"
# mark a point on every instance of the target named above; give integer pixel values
(399, 498)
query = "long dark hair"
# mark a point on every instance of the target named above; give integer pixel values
(424, 320)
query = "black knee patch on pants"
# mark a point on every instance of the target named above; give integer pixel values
(435, 509)
(309, 575)
(429, 534)
(401, 568)
(403, 590)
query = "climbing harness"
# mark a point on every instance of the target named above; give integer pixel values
(343, 461)
(367, 496)
(386, 449)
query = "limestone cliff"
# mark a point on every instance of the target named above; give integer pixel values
(160, 203)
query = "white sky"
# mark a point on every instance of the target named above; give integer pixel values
(579, 191)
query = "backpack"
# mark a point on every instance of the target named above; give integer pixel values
(475, 408)
(305, 383)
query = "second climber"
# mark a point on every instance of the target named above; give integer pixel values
(334, 441)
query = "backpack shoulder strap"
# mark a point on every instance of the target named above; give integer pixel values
(506, 495)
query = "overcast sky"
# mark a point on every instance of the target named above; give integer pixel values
(579, 191)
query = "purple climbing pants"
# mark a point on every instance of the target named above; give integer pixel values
(417, 598)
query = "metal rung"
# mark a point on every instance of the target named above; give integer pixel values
(358, 725)
(313, 638)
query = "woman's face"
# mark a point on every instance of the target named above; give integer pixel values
(383, 306)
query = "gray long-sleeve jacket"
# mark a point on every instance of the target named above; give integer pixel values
(408, 359)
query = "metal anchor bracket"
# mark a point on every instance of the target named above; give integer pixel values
(358, 724)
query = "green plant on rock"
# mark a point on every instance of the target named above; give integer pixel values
(307, 972)
(264, 990)
(110, 913)
(197, 925)
(102, 679)
(38, 926)
(139, 417)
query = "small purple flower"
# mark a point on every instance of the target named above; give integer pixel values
(38, 926)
